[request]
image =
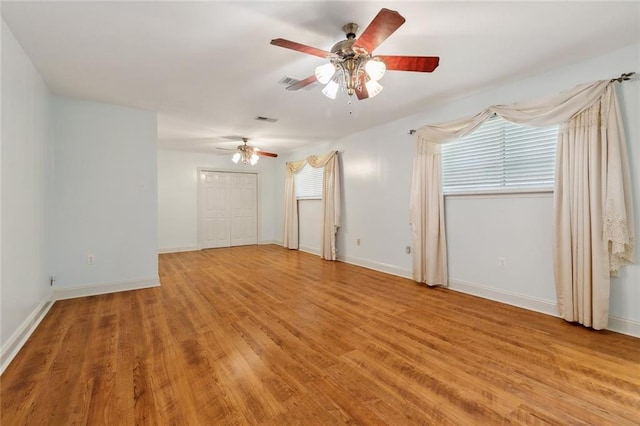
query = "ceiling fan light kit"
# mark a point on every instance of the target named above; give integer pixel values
(349, 68)
(375, 68)
(325, 72)
(331, 89)
(245, 157)
(352, 67)
(246, 154)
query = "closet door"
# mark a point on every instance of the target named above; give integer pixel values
(244, 209)
(229, 209)
(215, 229)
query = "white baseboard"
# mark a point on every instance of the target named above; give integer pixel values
(184, 249)
(527, 302)
(266, 242)
(12, 346)
(377, 266)
(310, 250)
(177, 250)
(548, 307)
(104, 288)
(624, 326)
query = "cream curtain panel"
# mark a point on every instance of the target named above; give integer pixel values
(593, 220)
(330, 202)
(290, 205)
(427, 216)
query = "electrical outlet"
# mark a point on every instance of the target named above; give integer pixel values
(407, 249)
(91, 259)
(358, 241)
(502, 262)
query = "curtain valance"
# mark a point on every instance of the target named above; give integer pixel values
(547, 111)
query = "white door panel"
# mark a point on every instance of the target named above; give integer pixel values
(244, 208)
(229, 215)
(215, 216)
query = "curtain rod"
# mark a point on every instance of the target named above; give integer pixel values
(625, 76)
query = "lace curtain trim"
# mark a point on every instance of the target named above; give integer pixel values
(594, 116)
(621, 244)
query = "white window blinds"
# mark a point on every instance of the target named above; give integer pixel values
(308, 182)
(500, 155)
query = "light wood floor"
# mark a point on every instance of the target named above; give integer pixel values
(264, 335)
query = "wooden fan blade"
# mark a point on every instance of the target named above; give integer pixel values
(302, 83)
(362, 93)
(383, 25)
(265, 154)
(300, 47)
(410, 63)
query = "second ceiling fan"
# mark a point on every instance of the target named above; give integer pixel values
(352, 66)
(247, 154)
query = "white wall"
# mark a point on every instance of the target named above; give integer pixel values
(376, 168)
(376, 181)
(178, 196)
(310, 225)
(25, 182)
(625, 290)
(105, 195)
(516, 227)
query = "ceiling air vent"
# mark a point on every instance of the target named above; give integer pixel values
(288, 81)
(267, 119)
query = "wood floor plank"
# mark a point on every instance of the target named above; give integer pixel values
(269, 336)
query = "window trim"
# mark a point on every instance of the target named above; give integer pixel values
(508, 191)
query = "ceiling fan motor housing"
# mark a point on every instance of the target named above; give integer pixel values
(344, 48)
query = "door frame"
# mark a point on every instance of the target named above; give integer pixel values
(199, 171)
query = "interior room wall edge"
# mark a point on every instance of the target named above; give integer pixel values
(17, 340)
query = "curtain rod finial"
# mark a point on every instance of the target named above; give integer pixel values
(625, 76)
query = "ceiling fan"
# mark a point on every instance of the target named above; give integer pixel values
(352, 66)
(247, 154)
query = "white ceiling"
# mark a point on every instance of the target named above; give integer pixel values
(208, 69)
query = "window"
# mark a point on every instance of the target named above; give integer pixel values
(500, 156)
(309, 183)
